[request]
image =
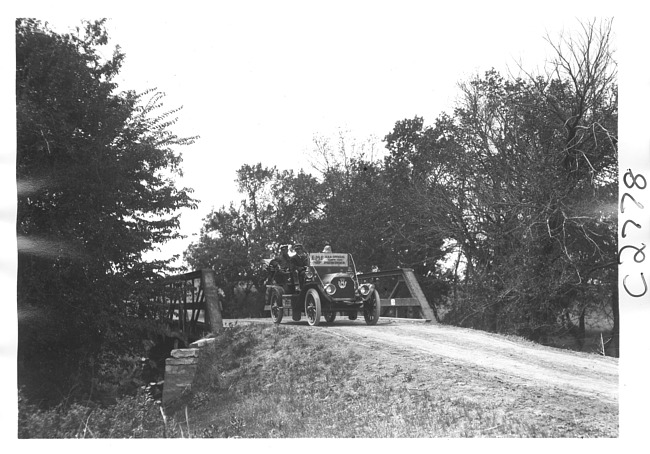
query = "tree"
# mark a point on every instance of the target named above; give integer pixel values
(278, 207)
(95, 174)
(365, 206)
(520, 180)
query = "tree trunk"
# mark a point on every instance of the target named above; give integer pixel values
(612, 347)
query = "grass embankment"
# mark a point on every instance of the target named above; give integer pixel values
(274, 381)
(263, 380)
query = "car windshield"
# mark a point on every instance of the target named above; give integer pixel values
(331, 263)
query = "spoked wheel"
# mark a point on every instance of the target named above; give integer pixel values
(330, 317)
(277, 311)
(312, 307)
(372, 308)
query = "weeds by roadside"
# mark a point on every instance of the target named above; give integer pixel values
(131, 417)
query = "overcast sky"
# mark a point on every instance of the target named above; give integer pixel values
(258, 80)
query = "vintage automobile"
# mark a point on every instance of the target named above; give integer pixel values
(330, 286)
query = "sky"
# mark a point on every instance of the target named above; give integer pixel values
(257, 81)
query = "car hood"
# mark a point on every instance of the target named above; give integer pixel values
(328, 278)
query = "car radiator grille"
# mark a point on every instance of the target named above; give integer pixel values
(344, 288)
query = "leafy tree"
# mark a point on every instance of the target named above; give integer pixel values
(278, 207)
(521, 180)
(298, 204)
(353, 205)
(365, 208)
(94, 172)
(229, 246)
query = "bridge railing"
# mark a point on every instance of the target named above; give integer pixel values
(190, 303)
(400, 292)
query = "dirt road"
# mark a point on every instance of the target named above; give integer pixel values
(560, 392)
(509, 360)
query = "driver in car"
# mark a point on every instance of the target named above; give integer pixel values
(279, 268)
(299, 264)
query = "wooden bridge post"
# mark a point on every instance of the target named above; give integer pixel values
(212, 304)
(417, 302)
(413, 286)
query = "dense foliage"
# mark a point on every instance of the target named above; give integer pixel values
(95, 175)
(515, 190)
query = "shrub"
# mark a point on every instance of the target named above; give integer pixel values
(136, 416)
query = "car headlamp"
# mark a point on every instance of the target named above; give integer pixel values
(309, 273)
(364, 290)
(330, 289)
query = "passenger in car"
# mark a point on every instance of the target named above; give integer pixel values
(299, 264)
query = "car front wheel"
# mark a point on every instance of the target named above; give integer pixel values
(312, 307)
(372, 308)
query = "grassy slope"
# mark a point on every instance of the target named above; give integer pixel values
(274, 381)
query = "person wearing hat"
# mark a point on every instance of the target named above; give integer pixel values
(299, 264)
(279, 268)
(327, 249)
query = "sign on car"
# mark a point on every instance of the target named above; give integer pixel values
(329, 259)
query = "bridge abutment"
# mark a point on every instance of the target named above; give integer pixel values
(180, 370)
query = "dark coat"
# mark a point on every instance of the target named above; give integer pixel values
(300, 261)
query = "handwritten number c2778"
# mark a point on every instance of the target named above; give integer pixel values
(631, 181)
(635, 295)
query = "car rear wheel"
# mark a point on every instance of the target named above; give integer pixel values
(312, 307)
(277, 311)
(330, 317)
(372, 308)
